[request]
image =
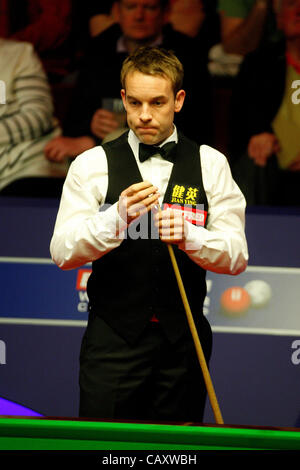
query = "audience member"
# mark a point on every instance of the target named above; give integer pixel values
(44, 23)
(26, 124)
(140, 22)
(195, 18)
(265, 151)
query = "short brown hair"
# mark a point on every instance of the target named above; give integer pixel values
(154, 61)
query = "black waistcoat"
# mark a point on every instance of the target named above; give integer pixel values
(136, 280)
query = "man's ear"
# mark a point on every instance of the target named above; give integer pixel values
(123, 96)
(179, 100)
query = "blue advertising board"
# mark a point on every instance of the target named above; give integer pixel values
(255, 320)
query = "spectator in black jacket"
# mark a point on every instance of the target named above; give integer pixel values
(140, 23)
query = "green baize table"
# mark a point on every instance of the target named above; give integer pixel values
(19, 433)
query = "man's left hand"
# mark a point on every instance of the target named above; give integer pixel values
(171, 226)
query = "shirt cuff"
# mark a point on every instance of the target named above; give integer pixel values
(193, 238)
(115, 226)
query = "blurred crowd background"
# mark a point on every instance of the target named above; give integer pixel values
(60, 89)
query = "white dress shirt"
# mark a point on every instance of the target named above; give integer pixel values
(83, 234)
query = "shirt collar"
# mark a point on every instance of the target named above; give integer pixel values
(121, 45)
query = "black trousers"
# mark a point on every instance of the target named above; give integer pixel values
(153, 380)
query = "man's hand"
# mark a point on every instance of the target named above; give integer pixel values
(295, 166)
(60, 148)
(262, 146)
(137, 200)
(103, 123)
(171, 226)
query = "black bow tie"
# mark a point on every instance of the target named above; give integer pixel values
(147, 151)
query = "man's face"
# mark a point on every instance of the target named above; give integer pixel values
(150, 104)
(289, 18)
(140, 20)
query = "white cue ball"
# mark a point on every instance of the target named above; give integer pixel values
(260, 292)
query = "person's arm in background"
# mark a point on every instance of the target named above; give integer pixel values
(61, 147)
(77, 135)
(103, 122)
(256, 97)
(242, 34)
(102, 17)
(33, 114)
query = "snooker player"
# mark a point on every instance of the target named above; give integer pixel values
(137, 359)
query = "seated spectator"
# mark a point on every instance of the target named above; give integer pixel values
(265, 150)
(46, 24)
(185, 16)
(195, 18)
(140, 22)
(26, 124)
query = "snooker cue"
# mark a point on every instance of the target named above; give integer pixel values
(206, 375)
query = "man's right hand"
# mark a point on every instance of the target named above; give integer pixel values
(137, 200)
(103, 123)
(262, 146)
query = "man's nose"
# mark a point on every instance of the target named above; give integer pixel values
(140, 12)
(145, 113)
